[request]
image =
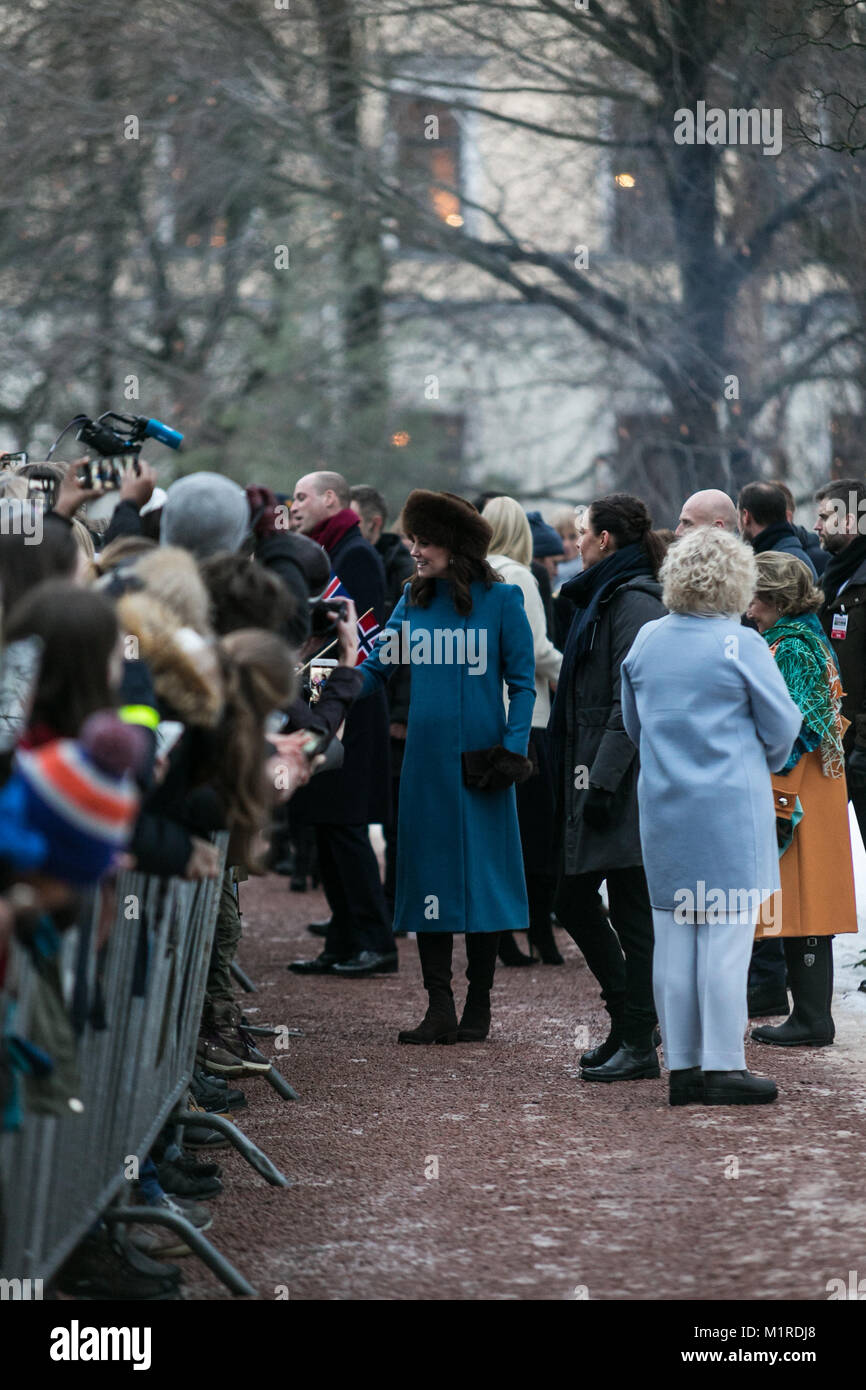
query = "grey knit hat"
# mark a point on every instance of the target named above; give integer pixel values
(204, 513)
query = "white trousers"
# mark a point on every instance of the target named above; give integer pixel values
(700, 977)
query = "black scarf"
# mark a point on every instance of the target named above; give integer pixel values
(766, 540)
(587, 591)
(841, 567)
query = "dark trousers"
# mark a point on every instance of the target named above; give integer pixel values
(768, 973)
(619, 951)
(351, 883)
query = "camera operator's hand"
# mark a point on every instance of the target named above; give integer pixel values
(347, 633)
(71, 494)
(204, 860)
(138, 487)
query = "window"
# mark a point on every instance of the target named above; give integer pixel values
(429, 154)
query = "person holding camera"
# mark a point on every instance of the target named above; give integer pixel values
(341, 804)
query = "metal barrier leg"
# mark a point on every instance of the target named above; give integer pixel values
(244, 1146)
(151, 1216)
(243, 979)
(280, 1084)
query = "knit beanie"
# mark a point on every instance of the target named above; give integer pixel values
(79, 795)
(204, 513)
(545, 541)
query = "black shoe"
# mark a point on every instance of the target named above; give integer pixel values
(474, 1025)
(763, 1004)
(597, 1056)
(189, 1164)
(439, 1025)
(628, 1064)
(686, 1086)
(369, 963)
(99, 1268)
(319, 965)
(318, 928)
(180, 1182)
(738, 1088)
(509, 951)
(213, 1093)
(542, 940)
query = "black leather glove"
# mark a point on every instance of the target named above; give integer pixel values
(597, 808)
(855, 770)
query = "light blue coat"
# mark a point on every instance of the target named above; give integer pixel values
(703, 700)
(459, 861)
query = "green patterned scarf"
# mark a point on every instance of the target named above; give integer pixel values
(809, 671)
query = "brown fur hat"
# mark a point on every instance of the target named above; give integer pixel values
(443, 518)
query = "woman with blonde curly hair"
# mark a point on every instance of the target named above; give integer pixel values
(811, 803)
(708, 709)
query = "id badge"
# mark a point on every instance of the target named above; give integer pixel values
(840, 626)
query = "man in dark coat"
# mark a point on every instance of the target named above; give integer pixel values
(372, 511)
(809, 540)
(342, 804)
(763, 517)
(840, 525)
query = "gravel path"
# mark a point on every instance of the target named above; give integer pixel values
(491, 1172)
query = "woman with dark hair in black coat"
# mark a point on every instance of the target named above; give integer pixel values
(597, 766)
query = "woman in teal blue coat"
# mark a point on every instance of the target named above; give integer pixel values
(464, 635)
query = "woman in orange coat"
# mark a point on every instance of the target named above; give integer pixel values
(816, 871)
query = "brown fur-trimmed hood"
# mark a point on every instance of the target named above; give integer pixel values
(443, 518)
(184, 666)
(171, 575)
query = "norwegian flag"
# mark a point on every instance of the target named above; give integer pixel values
(368, 626)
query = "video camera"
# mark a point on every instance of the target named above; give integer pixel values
(110, 442)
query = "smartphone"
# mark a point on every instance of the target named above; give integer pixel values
(12, 460)
(316, 743)
(19, 672)
(320, 670)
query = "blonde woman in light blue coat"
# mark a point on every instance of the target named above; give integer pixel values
(707, 707)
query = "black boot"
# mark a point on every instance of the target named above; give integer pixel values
(627, 1064)
(686, 1086)
(810, 978)
(540, 889)
(509, 951)
(481, 951)
(738, 1088)
(543, 941)
(439, 1024)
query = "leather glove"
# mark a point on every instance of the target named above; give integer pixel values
(855, 770)
(597, 808)
(263, 509)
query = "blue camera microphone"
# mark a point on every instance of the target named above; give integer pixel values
(155, 429)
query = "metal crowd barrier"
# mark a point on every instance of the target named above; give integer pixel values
(59, 1174)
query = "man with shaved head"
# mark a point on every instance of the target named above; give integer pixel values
(709, 507)
(342, 804)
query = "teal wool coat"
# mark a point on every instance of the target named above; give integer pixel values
(459, 864)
